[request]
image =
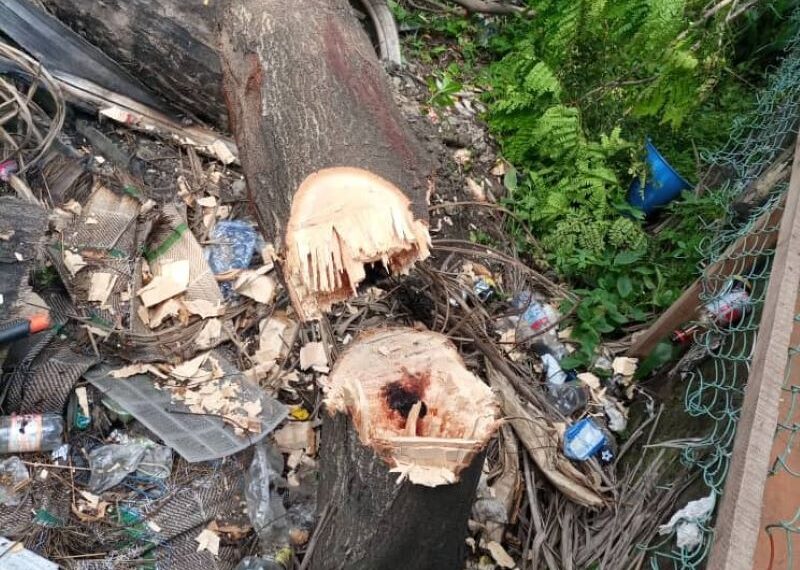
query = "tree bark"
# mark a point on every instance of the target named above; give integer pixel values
(373, 523)
(170, 45)
(337, 180)
(400, 402)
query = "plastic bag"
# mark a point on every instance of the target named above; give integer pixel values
(233, 244)
(13, 474)
(110, 464)
(264, 505)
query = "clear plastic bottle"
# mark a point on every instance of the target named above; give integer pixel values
(35, 432)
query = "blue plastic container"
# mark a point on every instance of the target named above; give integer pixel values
(663, 183)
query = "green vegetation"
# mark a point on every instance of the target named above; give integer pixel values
(572, 95)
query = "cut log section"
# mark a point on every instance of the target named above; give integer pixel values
(338, 182)
(402, 446)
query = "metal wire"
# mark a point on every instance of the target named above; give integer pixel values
(26, 130)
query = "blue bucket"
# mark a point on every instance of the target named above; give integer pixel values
(663, 183)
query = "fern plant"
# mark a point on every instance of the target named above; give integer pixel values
(572, 98)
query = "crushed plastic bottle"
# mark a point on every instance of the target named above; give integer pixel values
(537, 316)
(566, 395)
(13, 475)
(584, 440)
(35, 432)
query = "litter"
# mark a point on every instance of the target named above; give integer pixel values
(686, 522)
(583, 440)
(110, 464)
(13, 477)
(27, 433)
(14, 556)
(233, 244)
(194, 436)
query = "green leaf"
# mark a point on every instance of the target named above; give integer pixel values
(624, 286)
(627, 257)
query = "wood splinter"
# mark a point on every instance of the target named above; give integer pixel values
(343, 222)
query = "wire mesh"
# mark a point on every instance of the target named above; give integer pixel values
(715, 387)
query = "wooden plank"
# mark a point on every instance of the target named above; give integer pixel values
(741, 253)
(739, 514)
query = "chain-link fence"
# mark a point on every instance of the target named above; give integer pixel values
(715, 386)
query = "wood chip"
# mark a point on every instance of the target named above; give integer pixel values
(73, 207)
(208, 540)
(73, 262)
(313, 354)
(210, 335)
(173, 280)
(260, 288)
(101, 286)
(590, 380)
(207, 202)
(625, 366)
(190, 369)
(275, 335)
(93, 500)
(220, 150)
(203, 308)
(6, 235)
(476, 191)
(500, 555)
(156, 316)
(296, 436)
(134, 369)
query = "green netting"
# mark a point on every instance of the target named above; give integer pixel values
(714, 387)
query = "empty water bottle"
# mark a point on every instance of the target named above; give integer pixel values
(538, 319)
(35, 432)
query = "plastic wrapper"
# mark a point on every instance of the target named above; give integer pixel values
(110, 464)
(13, 475)
(233, 244)
(583, 440)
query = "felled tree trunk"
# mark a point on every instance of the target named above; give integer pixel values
(401, 404)
(170, 45)
(337, 180)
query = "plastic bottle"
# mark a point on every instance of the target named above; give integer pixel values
(724, 310)
(536, 317)
(568, 396)
(35, 432)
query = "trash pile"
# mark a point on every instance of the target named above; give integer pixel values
(161, 400)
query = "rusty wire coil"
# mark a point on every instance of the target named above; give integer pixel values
(26, 129)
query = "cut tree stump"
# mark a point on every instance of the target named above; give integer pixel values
(400, 404)
(339, 183)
